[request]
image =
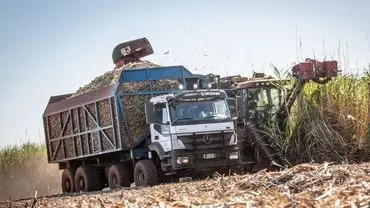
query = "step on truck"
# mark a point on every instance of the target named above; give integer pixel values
(169, 124)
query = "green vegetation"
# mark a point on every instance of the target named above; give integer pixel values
(329, 122)
(20, 155)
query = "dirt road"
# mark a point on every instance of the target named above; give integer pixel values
(305, 185)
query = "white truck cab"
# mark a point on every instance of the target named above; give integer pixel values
(193, 130)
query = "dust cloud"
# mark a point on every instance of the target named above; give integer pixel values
(24, 181)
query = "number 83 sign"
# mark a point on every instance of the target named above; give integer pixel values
(125, 50)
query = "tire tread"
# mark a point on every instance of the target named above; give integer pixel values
(150, 171)
(92, 178)
(123, 174)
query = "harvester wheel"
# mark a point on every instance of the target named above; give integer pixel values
(87, 178)
(118, 176)
(68, 181)
(145, 173)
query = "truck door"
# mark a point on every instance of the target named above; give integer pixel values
(160, 130)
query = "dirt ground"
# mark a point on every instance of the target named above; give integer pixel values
(25, 181)
(305, 185)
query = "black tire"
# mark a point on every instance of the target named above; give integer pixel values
(68, 180)
(87, 179)
(238, 170)
(118, 176)
(145, 173)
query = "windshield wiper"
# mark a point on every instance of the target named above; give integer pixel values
(215, 116)
(182, 119)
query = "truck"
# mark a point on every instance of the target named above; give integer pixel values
(263, 105)
(171, 123)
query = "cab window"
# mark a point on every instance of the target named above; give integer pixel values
(161, 115)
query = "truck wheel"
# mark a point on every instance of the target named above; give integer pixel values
(239, 170)
(68, 181)
(87, 179)
(145, 173)
(118, 176)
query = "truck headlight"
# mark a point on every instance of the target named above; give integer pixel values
(234, 155)
(182, 160)
(233, 139)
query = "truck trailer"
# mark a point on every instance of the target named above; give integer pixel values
(170, 124)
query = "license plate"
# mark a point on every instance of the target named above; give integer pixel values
(209, 156)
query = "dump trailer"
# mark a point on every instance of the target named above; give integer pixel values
(263, 106)
(151, 124)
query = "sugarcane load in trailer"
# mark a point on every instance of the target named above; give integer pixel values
(150, 124)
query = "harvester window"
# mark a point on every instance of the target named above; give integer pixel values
(263, 103)
(262, 100)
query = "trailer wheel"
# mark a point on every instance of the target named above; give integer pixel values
(87, 179)
(68, 182)
(118, 176)
(145, 173)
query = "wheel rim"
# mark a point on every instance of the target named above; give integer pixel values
(140, 177)
(114, 181)
(81, 183)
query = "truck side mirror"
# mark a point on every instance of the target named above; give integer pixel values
(149, 112)
(239, 106)
(232, 107)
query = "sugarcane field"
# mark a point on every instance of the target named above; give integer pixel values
(185, 104)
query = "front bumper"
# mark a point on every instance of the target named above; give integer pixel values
(204, 160)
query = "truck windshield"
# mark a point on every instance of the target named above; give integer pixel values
(206, 110)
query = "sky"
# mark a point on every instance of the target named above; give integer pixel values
(53, 47)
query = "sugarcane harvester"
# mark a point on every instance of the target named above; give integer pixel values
(150, 124)
(263, 106)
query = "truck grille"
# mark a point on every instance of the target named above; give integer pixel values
(206, 141)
